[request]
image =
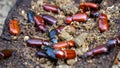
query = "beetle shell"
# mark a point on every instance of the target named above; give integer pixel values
(52, 34)
(70, 54)
(46, 42)
(49, 19)
(50, 53)
(103, 25)
(39, 22)
(118, 40)
(71, 43)
(30, 16)
(96, 51)
(68, 20)
(60, 28)
(43, 28)
(65, 54)
(52, 8)
(88, 5)
(60, 54)
(100, 50)
(80, 17)
(88, 54)
(34, 42)
(6, 53)
(111, 43)
(64, 44)
(37, 42)
(13, 27)
(41, 54)
(103, 16)
(60, 45)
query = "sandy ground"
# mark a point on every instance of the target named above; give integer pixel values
(5, 6)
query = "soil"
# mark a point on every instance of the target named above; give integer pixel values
(24, 56)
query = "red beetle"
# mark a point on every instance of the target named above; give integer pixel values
(64, 44)
(118, 40)
(52, 8)
(103, 23)
(68, 20)
(14, 27)
(96, 51)
(103, 16)
(49, 19)
(80, 17)
(6, 53)
(88, 6)
(39, 22)
(65, 54)
(60, 28)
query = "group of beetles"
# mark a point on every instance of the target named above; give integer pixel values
(61, 50)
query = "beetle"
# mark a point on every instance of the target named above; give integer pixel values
(6, 53)
(96, 51)
(56, 54)
(47, 52)
(103, 23)
(113, 42)
(80, 17)
(40, 23)
(52, 34)
(103, 16)
(64, 44)
(52, 8)
(65, 54)
(30, 16)
(105, 48)
(88, 6)
(49, 19)
(37, 42)
(14, 27)
(50, 52)
(94, 14)
(59, 28)
(41, 53)
(118, 40)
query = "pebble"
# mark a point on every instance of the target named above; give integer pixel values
(69, 29)
(14, 37)
(24, 14)
(37, 67)
(65, 36)
(80, 40)
(26, 38)
(82, 50)
(63, 66)
(115, 67)
(71, 61)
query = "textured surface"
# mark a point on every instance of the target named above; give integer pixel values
(5, 6)
(24, 56)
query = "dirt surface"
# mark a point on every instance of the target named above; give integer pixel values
(24, 56)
